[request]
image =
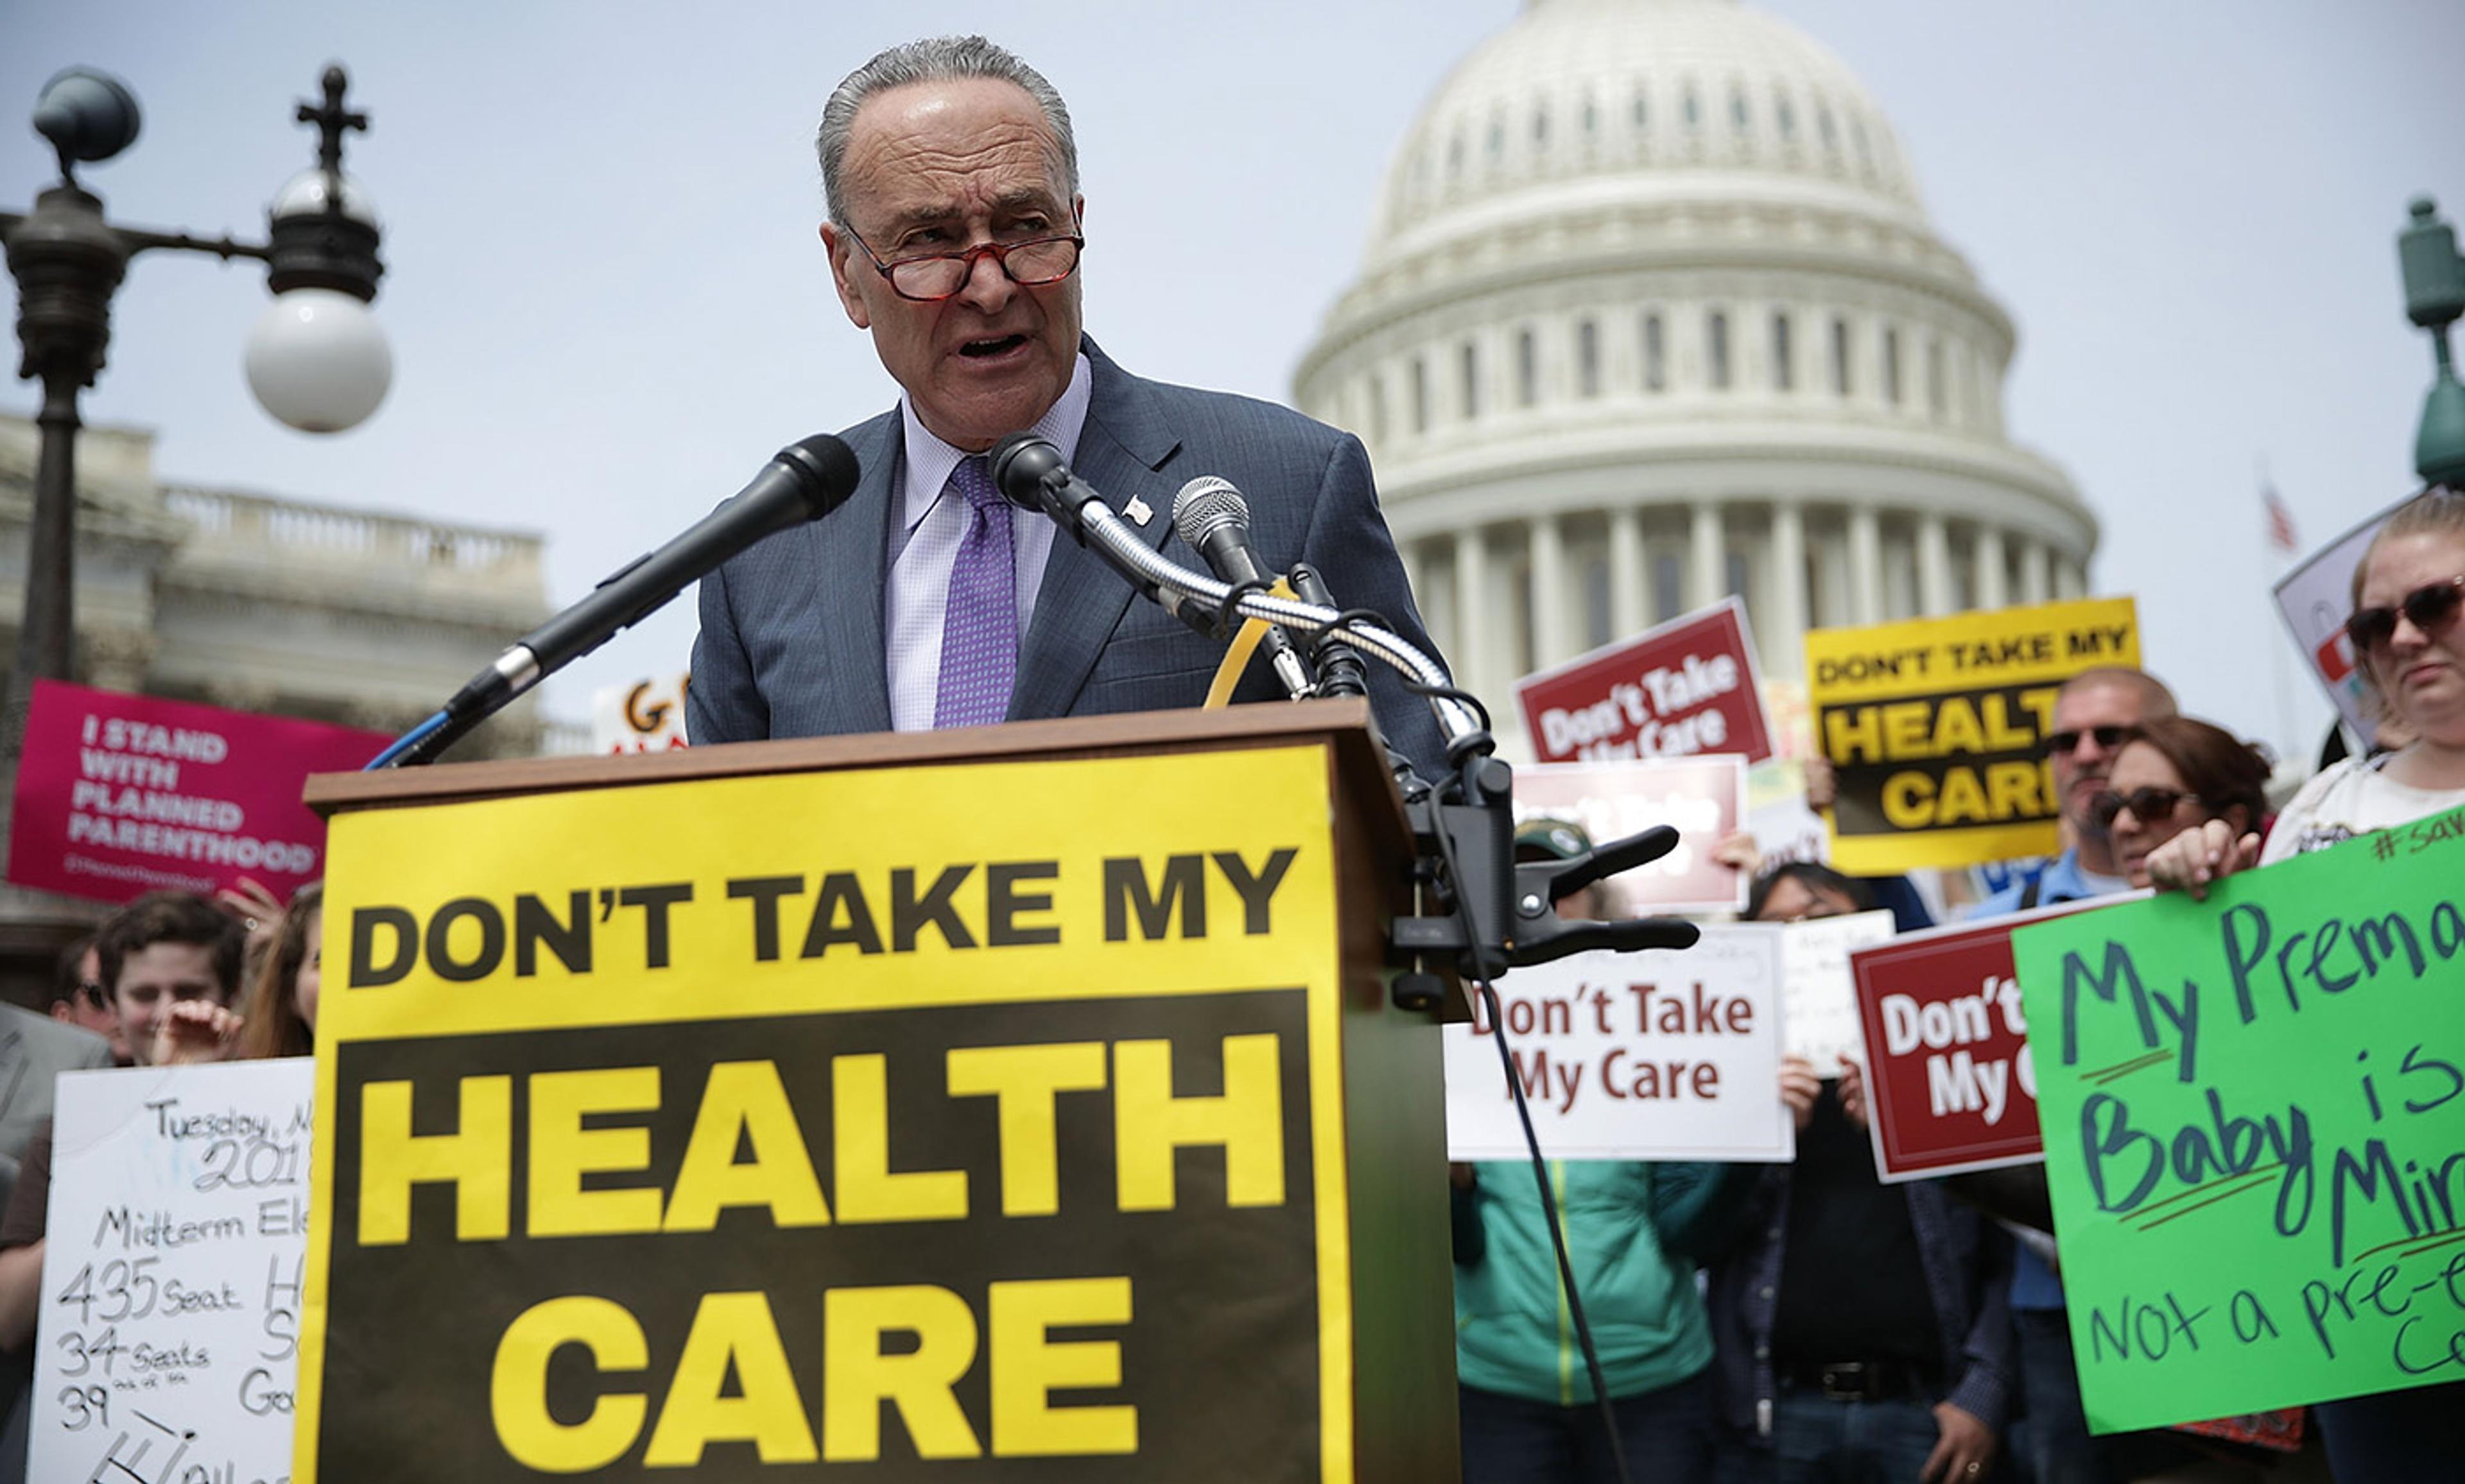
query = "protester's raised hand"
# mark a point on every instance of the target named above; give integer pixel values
(2196, 858)
(1799, 1088)
(1822, 785)
(1853, 1091)
(1738, 851)
(258, 910)
(195, 1030)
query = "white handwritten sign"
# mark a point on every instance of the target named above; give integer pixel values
(1630, 1056)
(164, 1348)
(1819, 998)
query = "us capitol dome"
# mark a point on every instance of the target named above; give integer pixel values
(1651, 313)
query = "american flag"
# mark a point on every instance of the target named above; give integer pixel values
(2281, 521)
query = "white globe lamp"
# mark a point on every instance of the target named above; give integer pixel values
(317, 361)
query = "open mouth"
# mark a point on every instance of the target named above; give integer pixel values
(986, 349)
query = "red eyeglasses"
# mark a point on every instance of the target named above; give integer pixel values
(2430, 608)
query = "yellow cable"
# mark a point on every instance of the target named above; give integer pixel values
(1245, 643)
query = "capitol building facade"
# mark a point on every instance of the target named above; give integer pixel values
(1653, 314)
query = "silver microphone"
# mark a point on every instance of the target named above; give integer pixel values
(1214, 520)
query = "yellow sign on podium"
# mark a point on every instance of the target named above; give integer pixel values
(953, 1115)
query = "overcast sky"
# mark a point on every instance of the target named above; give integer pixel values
(608, 305)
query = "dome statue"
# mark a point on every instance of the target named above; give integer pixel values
(1651, 313)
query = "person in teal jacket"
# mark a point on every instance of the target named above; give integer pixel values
(1634, 1231)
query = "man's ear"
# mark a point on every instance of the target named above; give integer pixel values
(842, 251)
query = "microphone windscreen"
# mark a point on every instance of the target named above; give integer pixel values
(1205, 505)
(1020, 463)
(826, 472)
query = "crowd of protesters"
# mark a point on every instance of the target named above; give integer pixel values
(160, 984)
(1797, 1323)
(1845, 1330)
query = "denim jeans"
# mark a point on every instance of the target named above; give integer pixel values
(1666, 1435)
(2061, 1449)
(2416, 1436)
(1816, 1440)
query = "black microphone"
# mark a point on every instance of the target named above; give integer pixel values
(1032, 474)
(1340, 671)
(804, 481)
(1214, 520)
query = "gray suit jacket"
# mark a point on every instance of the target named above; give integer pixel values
(792, 632)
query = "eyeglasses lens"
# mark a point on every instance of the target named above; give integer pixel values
(2146, 803)
(2430, 608)
(1030, 264)
(2107, 738)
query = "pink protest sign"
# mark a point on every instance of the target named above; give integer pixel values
(120, 795)
(1701, 798)
(1684, 688)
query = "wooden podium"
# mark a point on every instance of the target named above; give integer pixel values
(1023, 1102)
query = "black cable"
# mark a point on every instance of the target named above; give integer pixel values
(1459, 697)
(1332, 636)
(1227, 613)
(1539, 1165)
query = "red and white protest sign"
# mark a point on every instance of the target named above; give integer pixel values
(1670, 1055)
(120, 795)
(1950, 1086)
(2314, 599)
(1686, 687)
(1701, 798)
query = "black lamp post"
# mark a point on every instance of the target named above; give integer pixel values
(2434, 298)
(316, 360)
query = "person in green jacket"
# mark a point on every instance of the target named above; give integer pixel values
(1634, 1230)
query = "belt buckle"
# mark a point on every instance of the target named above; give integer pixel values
(1848, 1381)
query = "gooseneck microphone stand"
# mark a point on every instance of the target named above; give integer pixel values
(1475, 904)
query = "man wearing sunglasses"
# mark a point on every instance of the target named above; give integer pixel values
(956, 236)
(2096, 712)
(77, 998)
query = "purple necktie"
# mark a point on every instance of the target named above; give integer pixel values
(980, 617)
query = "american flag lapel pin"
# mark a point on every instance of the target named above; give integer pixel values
(1139, 510)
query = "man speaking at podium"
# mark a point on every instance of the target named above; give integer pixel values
(955, 231)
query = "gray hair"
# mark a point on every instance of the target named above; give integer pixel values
(2156, 698)
(936, 60)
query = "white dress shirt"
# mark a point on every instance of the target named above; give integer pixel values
(924, 545)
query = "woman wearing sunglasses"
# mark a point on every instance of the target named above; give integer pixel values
(2410, 644)
(2409, 634)
(2176, 777)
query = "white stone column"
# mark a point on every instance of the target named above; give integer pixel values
(1989, 561)
(1629, 588)
(1836, 588)
(2037, 584)
(1782, 624)
(1472, 616)
(1704, 566)
(1547, 544)
(2071, 580)
(1935, 594)
(1865, 565)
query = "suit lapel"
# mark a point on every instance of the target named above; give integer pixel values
(1121, 451)
(849, 575)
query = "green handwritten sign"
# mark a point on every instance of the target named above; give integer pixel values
(2255, 1122)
